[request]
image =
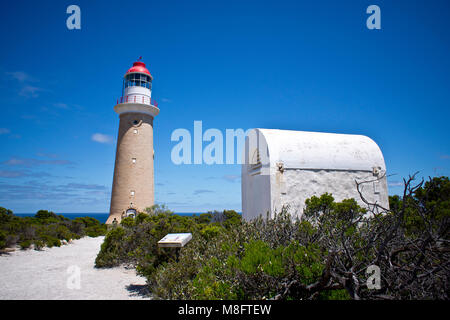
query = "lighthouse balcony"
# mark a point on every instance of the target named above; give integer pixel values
(137, 103)
(137, 98)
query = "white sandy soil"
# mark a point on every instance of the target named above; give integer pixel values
(51, 274)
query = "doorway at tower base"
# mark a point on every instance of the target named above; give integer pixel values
(130, 213)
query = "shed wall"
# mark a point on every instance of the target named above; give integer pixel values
(256, 198)
(293, 187)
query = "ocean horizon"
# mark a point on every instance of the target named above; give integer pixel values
(102, 217)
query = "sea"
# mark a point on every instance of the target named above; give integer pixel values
(102, 217)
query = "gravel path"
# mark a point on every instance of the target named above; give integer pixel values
(66, 273)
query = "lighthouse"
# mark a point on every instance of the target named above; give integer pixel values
(133, 182)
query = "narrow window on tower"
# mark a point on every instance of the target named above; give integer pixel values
(132, 193)
(133, 160)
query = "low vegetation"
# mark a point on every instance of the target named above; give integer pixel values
(324, 255)
(45, 229)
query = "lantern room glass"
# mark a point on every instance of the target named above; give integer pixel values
(137, 80)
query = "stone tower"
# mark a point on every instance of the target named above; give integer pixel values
(133, 182)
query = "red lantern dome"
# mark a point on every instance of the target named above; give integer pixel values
(139, 67)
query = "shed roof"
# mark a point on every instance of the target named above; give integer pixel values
(318, 150)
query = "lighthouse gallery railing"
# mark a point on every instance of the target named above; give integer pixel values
(136, 98)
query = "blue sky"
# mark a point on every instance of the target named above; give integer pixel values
(299, 65)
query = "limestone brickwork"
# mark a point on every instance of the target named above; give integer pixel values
(133, 182)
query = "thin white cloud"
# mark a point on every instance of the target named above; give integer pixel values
(61, 105)
(4, 131)
(199, 191)
(395, 183)
(12, 174)
(102, 138)
(85, 186)
(22, 173)
(29, 162)
(20, 76)
(38, 190)
(227, 177)
(24, 79)
(231, 177)
(30, 91)
(47, 155)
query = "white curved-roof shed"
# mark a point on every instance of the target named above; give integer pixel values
(285, 167)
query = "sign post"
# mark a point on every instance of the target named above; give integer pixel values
(175, 240)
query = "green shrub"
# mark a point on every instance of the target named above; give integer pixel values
(307, 260)
(11, 240)
(204, 218)
(38, 244)
(157, 210)
(44, 214)
(210, 231)
(341, 294)
(135, 240)
(3, 235)
(5, 215)
(232, 219)
(111, 251)
(207, 286)
(51, 241)
(323, 255)
(91, 227)
(25, 244)
(258, 257)
(127, 222)
(45, 226)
